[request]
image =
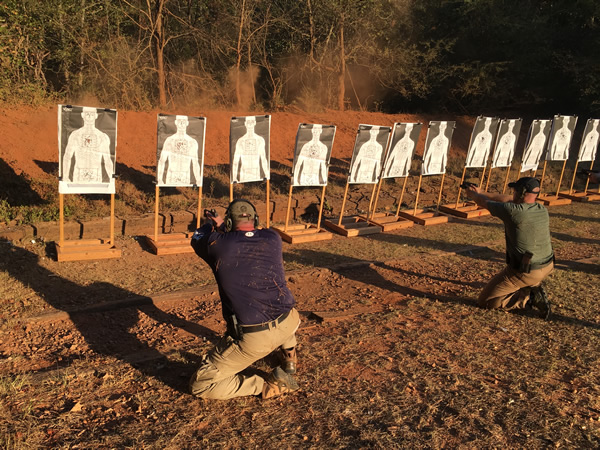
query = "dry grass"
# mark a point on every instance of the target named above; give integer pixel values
(414, 365)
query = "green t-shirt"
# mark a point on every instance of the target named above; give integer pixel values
(527, 228)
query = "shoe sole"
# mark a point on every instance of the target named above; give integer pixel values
(284, 379)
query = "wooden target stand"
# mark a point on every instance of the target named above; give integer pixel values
(553, 200)
(426, 216)
(297, 233)
(268, 189)
(86, 249)
(386, 220)
(171, 243)
(581, 196)
(487, 183)
(351, 226)
(465, 210)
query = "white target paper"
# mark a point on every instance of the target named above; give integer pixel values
(312, 154)
(402, 147)
(506, 143)
(561, 135)
(249, 148)
(536, 143)
(589, 141)
(482, 138)
(367, 156)
(87, 138)
(437, 144)
(180, 150)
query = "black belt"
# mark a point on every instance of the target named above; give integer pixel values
(266, 325)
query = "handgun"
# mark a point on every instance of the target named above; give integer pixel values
(467, 185)
(209, 213)
(584, 173)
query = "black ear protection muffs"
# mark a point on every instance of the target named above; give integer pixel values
(228, 221)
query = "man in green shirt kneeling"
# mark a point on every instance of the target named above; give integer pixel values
(529, 255)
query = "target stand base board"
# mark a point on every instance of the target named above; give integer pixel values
(86, 249)
(352, 226)
(298, 233)
(467, 210)
(581, 196)
(424, 217)
(170, 243)
(389, 221)
(553, 200)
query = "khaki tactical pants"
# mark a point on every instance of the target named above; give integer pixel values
(508, 288)
(218, 376)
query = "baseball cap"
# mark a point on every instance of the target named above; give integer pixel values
(241, 211)
(530, 184)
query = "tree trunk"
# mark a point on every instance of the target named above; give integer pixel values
(238, 65)
(160, 53)
(342, 71)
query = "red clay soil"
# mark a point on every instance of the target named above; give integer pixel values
(30, 135)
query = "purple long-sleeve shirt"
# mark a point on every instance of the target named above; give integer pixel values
(248, 267)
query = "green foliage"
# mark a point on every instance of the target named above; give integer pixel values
(6, 212)
(463, 55)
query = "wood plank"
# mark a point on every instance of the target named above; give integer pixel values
(170, 243)
(298, 233)
(553, 200)
(464, 210)
(353, 226)
(389, 221)
(424, 217)
(71, 253)
(580, 196)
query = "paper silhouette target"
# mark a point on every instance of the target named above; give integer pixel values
(560, 138)
(367, 156)
(482, 139)
(249, 148)
(87, 150)
(312, 154)
(402, 147)
(536, 143)
(589, 141)
(508, 134)
(437, 144)
(180, 150)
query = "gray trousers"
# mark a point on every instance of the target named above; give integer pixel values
(218, 376)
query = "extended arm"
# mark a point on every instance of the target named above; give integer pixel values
(482, 198)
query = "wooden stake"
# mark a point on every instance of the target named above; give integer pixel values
(506, 180)
(321, 209)
(459, 188)
(401, 196)
(562, 172)
(441, 189)
(156, 199)
(230, 192)
(268, 205)
(199, 207)
(289, 205)
(543, 174)
(371, 201)
(573, 178)
(482, 178)
(112, 220)
(487, 183)
(343, 204)
(587, 182)
(377, 197)
(418, 191)
(61, 221)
